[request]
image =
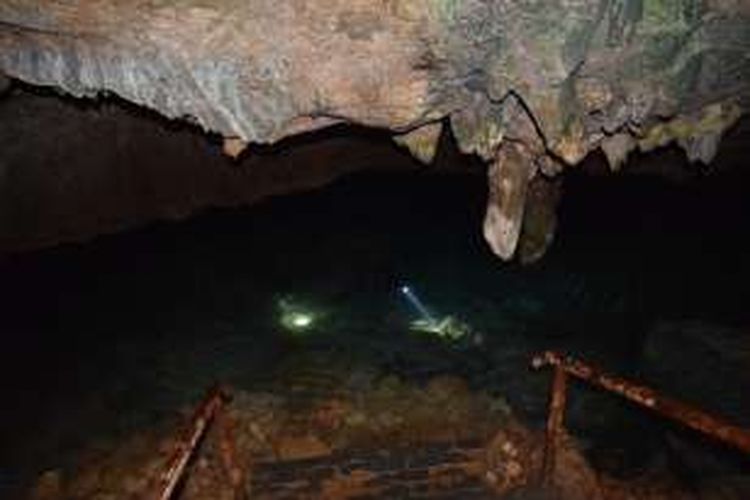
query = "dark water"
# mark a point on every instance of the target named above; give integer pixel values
(116, 334)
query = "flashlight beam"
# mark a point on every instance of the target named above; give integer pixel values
(417, 304)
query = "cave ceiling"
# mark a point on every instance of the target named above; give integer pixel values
(530, 86)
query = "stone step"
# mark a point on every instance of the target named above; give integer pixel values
(434, 471)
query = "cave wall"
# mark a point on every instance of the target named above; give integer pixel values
(70, 170)
(530, 86)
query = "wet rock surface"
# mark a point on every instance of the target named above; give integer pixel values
(294, 455)
(391, 438)
(408, 473)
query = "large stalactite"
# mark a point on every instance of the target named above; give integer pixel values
(529, 86)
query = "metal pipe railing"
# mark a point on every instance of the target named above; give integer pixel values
(205, 413)
(683, 413)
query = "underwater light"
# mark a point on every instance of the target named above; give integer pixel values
(297, 321)
(417, 304)
(301, 320)
(295, 317)
(447, 328)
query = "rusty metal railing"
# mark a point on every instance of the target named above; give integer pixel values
(644, 396)
(211, 408)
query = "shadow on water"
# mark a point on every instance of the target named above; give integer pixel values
(112, 335)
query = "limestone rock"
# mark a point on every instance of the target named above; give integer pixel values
(559, 79)
(508, 179)
(539, 218)
(422, 142)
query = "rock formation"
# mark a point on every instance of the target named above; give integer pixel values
(530, 86)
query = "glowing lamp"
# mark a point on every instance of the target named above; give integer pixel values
(295, 317)
(301, 320)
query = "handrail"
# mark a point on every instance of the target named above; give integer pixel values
(644, 396)
(205, 413)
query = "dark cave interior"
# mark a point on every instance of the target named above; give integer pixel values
(648, 277)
